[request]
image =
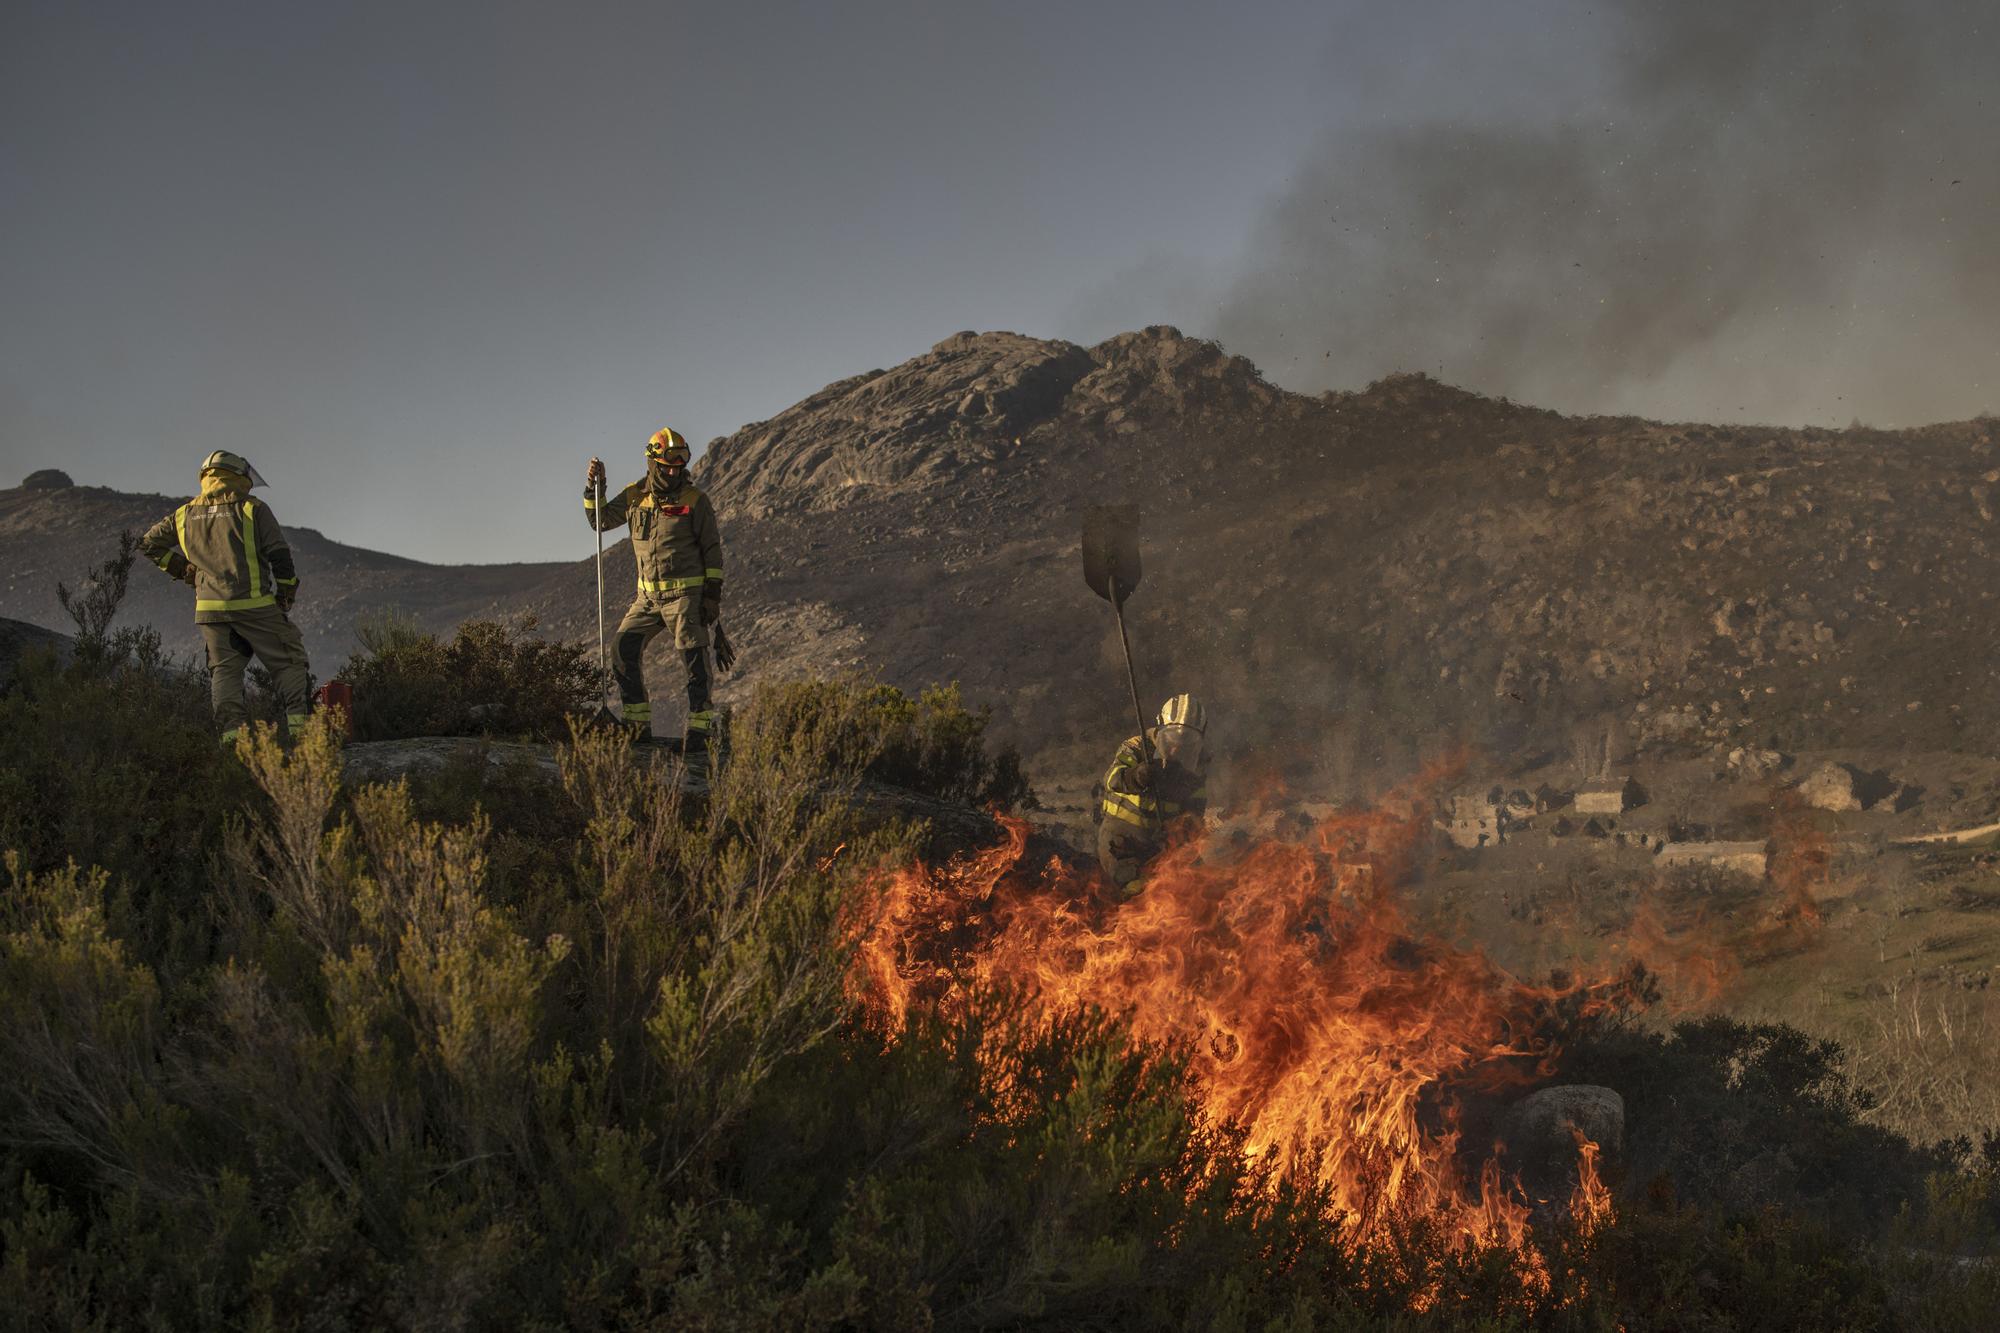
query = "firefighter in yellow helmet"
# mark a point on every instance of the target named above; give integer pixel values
(678, 549)
(228, 545)
(1137, 800)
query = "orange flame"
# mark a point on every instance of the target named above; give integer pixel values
(1337, 1038)
(1801, 866)
(1590, 1203)
(1694, 966)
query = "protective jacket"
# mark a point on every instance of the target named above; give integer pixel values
(675, 540)
(1147, 810)
(239, 553)
(1132, 821)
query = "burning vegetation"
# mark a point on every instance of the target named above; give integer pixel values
(1353, 1052)
(490, 1048)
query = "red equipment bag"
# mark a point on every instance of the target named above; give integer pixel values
(337, 694)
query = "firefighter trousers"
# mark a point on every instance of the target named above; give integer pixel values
(646, 619)
(267, 634)
(1122, 852)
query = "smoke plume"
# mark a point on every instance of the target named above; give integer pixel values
(1778, 210)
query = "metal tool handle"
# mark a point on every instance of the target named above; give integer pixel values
(1131, 679)
(597, 522)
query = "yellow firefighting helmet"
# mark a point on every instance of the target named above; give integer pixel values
(1184, 710)
(224, 461)
(667, 446)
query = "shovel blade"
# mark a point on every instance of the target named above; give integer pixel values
(1111, 551)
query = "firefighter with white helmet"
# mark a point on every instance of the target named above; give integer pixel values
(228, 545)
(1139, 798)
(677, 547)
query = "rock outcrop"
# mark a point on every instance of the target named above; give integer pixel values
(1540, 1132)
(1843, 787)
(928, 423)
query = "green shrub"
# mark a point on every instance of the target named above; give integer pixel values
(931, 744)
(1734, 1117)
(474, 1051)
(489, 679)
(111, 760)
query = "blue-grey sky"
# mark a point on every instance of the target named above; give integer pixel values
(420, 261)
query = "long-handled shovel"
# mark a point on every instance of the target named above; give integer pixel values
(1111, 568)
(604, 714)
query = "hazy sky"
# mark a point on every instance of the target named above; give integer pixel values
(420, 260)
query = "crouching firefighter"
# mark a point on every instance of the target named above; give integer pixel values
(1138, 799)
(227, 544)
(678, 550)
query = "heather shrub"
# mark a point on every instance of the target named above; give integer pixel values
(931, 744)
(110, 760)
(490, 678)
(1734, 1117)
(475, 1050)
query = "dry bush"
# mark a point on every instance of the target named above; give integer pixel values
(94, 604)
(1926, 1048)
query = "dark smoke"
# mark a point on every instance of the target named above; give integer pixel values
(1766, 210)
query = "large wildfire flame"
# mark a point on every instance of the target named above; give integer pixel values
(1337, 1037)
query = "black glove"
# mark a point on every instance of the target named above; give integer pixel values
(288, 593)
(187, 574)
(725, 651)
(711, 604)
(1142, 774)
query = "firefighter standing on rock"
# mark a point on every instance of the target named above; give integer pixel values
(678, 550)
(231, 549)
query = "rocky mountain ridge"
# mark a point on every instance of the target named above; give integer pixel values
(1352, 579)
(52, 531)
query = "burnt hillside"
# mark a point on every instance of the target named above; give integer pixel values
(1383, 571)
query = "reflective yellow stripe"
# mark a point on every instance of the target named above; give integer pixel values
(701, 721)
(639, 712)
(589, 502)
(250, 549)
(181, 530)
(715, 574)
(1142, 802)
(1149, 807)
(240, 604)
(669, 585)
(1118, 811)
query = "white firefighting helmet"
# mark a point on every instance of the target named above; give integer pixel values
(1184, 710)
(1182, 727)
(224, 461)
